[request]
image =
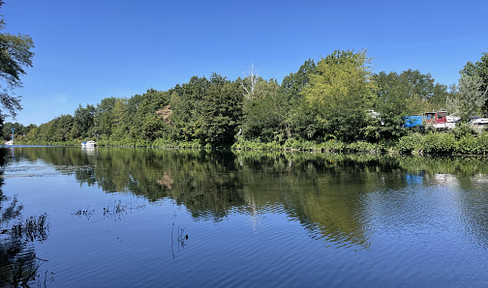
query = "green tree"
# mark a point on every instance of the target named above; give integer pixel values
(341, 91)
(186, 102)
(19, 129)
(294, 83)
(265, 115)
(480, 68)
(470, 99)
(422, 92)
(221, 112)
(392, 103)
(15, 54)
(145, 123)
(441, 93)
(83, 120)
(103, 117)
(65, 125)
(299, 119)
(118, 126)
(153, 127)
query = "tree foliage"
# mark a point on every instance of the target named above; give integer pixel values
(15, 54)
(470, 99)
(480, 69)
(186, 102)
(330, 99)
(294, 83)
(19, 129)
(421, 91)
(221, 111)
(342, 91)
(265, 116)
(84, 121)
(207, 110)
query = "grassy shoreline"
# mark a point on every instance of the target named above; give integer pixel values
(415, 144)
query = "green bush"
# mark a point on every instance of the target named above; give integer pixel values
(439, 143)
(461, 130)
(483, 144)
(363, 147)
(467, 145)
(334, 146)
(444, 143)
(410, 143)
(471, 144)
(256, 144)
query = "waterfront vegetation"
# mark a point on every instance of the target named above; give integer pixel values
(460, 141)
(322, 107)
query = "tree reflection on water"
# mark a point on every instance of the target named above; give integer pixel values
(326, 193)
(19, 264)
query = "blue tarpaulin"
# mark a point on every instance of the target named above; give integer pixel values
(412, 121)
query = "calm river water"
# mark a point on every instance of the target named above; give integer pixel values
(157, 218)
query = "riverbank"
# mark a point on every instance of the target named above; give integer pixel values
(432, 143)
(415, 144)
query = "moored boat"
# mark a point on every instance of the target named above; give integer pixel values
(90, 143)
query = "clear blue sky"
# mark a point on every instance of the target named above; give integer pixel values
(87, 50)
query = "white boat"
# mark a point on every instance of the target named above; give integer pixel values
(479, 124)
(90, 143)
(9, 143)
(452, 121)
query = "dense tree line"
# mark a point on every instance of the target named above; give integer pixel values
(330, 99)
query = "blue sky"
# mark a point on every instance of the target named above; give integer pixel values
(87, 50)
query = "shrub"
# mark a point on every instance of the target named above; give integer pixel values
(363, 147)
(483, 144)
(334, 146)
(410, 143)
(466, 145)
(439, 143)
(461, 130)
(471, 144)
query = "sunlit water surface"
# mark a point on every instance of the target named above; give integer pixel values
(152, 218)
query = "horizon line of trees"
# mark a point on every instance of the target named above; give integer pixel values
(323, 100)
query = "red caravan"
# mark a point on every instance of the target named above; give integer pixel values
(440, 120)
